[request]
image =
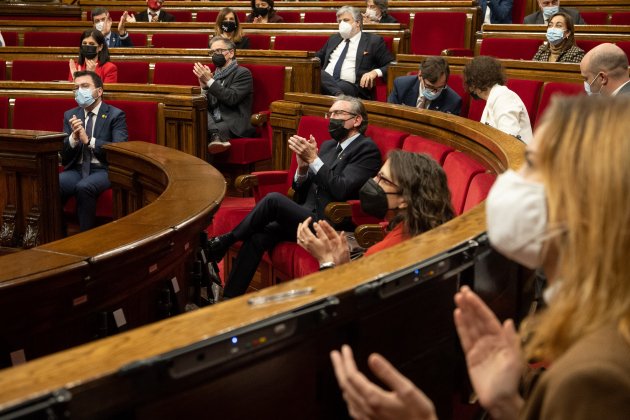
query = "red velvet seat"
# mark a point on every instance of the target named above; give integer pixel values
(586, 44)
(300, 42)
(291, 17)
(133, 72)
(625, 46)
(259, 41)
(620, 18)
(3, 70)
(48, 111)
(10, 39)
(4, 112)
(39, 71)
(460, 170)
(210, 17)
(518, 11)
(433, 32)
(419, 144)
(52, 39)
(138, 40)
(167, 40)
(550, 89)
(456, 82)
(166, 73)
(510, 48)
(595, 18)
(402, 17)
(320, 17)
(141, 119)
(181, 15)
(478, 190)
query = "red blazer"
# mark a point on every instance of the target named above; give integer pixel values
(108, 72)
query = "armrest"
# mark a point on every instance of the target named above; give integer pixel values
(336, 212)
(244, 183)
(263, 182)
(368, 235)
(259, 119)
(458, 52)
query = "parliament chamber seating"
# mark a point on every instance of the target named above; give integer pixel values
(595, 18)
(620, 18)
(434, 32)
(549, 90)
(53, 39)
(515, 49)
(289, 17)
(320, 17)
(168, 40)
(10, 39)
(133, 71)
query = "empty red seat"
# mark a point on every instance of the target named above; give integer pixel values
(138, 40)
(434, 32)
(181, 15)
(402, 17)
(166, 73)
(300, 42)
(478, 190)
(165, 40)
(460, 170)
(625, 46)
(587, 44)
(4, 112)
(456, 82)
(385, 138)
(3, 70)
(419, 144)
(49, 112)
(291, 17)
(133, 72)
(39, 71)
(551, 89)
(259, 41)
(52, 39)
(620, 18)
(510, 48)
(595, 18)
(320, 17)
(207, 16)
(10, 39)
(141, 117)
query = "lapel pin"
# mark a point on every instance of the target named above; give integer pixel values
(103, 116)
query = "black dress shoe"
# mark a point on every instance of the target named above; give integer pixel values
(218, 247)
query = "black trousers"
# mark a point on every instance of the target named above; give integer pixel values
(330, 86)
(274, 219)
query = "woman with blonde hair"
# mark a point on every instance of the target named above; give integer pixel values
(567, 212)
(228, 26)
(560, 46)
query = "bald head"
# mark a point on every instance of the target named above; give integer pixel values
(605, 65)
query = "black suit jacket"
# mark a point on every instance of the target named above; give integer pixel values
(340, 178)
(372, 54)
(235, 95)
(537, 18)
(387, 18)
(115, 41)
(110, 127)
(406, 91)
(162, 17)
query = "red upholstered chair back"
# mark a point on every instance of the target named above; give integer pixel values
(551, 89)
(625, 46)
(259, 41)
(164, 40)
(268, 85)
(3, 70)
(41, 113)
(320, 17)
(385, 138)
(518, 11)
(138, 40)
(40, 71)
(475, 109)
(460, 170)
(4, 112)
(181, 15)
(617, 18)
(419, 144)
(478, 190)
(456, 82)
(300, 42)
(291, 17)
(133, 72)
(529, 92)
(402, 17)
(210, 17)
(141, 119)
(595, 18)
(510, 48)
(10, 39)
(586, 44)
(435, 31)
(52, 39)
(174, 74)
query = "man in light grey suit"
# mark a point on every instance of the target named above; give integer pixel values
(605, 71)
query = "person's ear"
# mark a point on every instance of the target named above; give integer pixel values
(403, 204)
(357, 121)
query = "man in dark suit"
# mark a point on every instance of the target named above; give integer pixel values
(429, 89)
(230, 91)
(89, 127)
(103, 23)
(548, 8)
(604, 70)
(335, 172)
(154, 13)
(496, 11)
(352, 59)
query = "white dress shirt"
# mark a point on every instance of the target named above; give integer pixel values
(506, 111)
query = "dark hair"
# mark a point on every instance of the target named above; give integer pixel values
(96, 79)
(238, 33)
(269, 2)
(228, 43)
(99, 11)
(382, 5)
(434, 67)
(103, 55)
(483, 72)
(423, 186)
(357, 108)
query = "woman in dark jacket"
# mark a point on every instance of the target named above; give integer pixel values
(262, 12)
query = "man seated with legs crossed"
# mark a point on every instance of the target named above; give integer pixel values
(335, 172)
(89, 127)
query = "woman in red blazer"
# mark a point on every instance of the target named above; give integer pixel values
(94, 56)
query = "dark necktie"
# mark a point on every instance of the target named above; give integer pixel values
(87, 154)
(337, 69)
(338, 151)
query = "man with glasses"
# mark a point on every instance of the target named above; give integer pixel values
(548, 8)
(103, 23)
(334, 171)
(604, 70)
(230, 91)
(428, 90)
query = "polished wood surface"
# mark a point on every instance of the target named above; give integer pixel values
(29, 188)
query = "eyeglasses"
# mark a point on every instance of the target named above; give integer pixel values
(433, 89)
(218, 51)
(338, 113)
(380, 177)
(549, 3)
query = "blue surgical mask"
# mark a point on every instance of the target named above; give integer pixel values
(550, 11)
(587, 87)
(555, 35)
(84, 97)
(429, 94)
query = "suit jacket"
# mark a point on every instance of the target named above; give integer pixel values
(115, 41)
(406, 91)
(591, 380)
(339, 179)
(162, 17)
(500, 10)
(537, 18)
(235, 94)
(387, 18)
(111, 127)
(625, 90)
(372, 54)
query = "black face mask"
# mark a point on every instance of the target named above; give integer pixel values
(228, 26)
(89, 51)
(261, 11)
(475, 96)
(218, 60)
(373, 199)
(337, 130)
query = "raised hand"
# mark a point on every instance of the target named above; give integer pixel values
(204, 74)
(122, 24)
(90, 64)
(367, 80)
(78, 131)
(73, 66)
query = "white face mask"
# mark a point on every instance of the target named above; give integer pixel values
(100, 26)
(345, 30)
(516, 215)
(371, 14)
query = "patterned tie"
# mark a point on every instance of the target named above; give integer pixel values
(338, 151)
(154, 17)
(337, 70)
(87, 154)
(422, 101)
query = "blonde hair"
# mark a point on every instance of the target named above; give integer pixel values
(238, 33)
(583, 157)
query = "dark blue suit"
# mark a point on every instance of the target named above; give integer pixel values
(110, 126)
(406, 91)
(372, 54)
(500, 10)
(115, 41)
(276, 217)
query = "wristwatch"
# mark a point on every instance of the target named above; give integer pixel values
(326, 265)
